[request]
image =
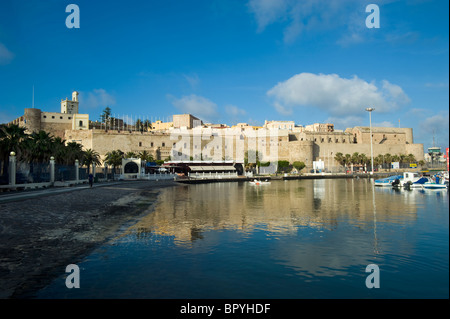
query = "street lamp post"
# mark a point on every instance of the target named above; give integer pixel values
(370, 109)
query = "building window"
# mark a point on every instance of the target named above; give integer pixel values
(140, 143)
(163, 144)
(151, 144)
(53, 117)
(45, 116)
(70, 118)
(61, 117)
(80, 123)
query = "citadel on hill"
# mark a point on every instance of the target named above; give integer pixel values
(188, 138)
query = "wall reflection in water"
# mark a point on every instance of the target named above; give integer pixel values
(185, 212)
(319, 227)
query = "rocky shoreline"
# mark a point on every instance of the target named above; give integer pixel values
(40, 236)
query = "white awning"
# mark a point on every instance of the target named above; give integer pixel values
(212, 168)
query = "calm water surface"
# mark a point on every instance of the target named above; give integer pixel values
(290, 239)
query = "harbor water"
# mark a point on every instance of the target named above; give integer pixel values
(290, 239)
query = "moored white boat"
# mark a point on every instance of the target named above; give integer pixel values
(387, 181)
(437, 182)
(257, 182)
(410, 180)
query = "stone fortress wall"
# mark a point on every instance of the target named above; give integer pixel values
(188, 137)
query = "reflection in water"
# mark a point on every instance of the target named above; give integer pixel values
(290, 239)
(186, 211)
(308, 211)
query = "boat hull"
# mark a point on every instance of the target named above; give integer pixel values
(434, 186)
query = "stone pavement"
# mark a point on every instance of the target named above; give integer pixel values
(41, 232)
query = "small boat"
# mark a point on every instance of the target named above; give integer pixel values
(387, 181)
(257, 182)
(410, 180)
(437, 182)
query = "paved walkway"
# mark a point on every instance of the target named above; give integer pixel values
(42, 231)
(30, 193)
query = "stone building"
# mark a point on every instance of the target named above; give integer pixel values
(55, 123)
(186, 138)
(186, 121)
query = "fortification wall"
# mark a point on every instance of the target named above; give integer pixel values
(80, 136)
(33, 120)
(159, 145)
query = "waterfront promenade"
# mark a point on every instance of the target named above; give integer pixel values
(42, 231)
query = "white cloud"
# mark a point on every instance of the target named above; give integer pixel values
(6, 56)
(267, 11)
(436, 126)
(341, 123)
(193, 80)
(437, 85)
(297, 16)
(335, 95)
(196, 105)
(283, 110)
(383, 124)
(96, 98)
(395, 93)
(234, 110)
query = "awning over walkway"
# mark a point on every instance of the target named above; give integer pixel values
(212, 168)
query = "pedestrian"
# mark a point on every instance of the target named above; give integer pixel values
(91, 180)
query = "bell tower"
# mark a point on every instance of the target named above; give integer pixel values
(70, 106)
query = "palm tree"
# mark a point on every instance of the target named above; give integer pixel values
(12, 139)
(147, 125)
(58, 149)
(41, 146)
(90, 157)
(348, 159)
(73, 151)
(363, 159)
(130, 155)
(379, 160)
(355, 158)
(340, 158)
(411, 158)
(114, 158)
(145, 156)
(139, 125)
(388, 158)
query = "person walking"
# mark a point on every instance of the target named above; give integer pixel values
(91, 180)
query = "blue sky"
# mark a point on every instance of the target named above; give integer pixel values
(233, 61)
